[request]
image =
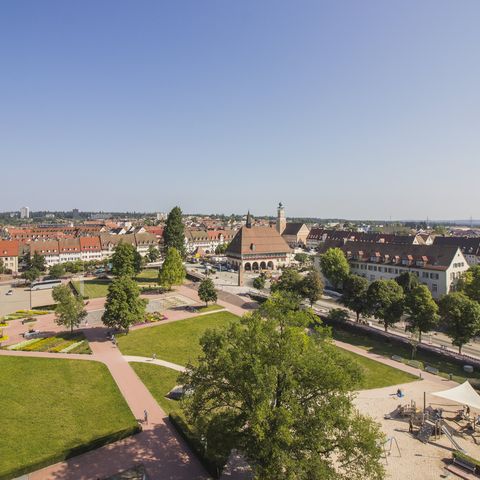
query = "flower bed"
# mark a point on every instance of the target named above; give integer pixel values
(65, 343)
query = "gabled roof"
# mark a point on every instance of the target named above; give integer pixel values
(293, 228)
(468, 245)
(9, 248)
(257, 241)
(431, 256)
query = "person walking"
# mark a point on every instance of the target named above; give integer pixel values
(145, 416)
(154, 356)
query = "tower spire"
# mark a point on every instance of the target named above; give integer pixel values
(248, 224)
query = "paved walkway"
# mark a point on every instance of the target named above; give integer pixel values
(162, 363)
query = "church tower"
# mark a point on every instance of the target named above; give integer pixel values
(281, 220)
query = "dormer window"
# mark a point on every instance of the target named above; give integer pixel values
(252, 247)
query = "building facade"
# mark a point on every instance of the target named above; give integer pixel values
(439, 268)
(258, 248)
(9, 252)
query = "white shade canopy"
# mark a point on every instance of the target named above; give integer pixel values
(464, 394)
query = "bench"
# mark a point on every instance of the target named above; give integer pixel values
(397, 358)
(414, 363)
(432, 370)
(461, 462)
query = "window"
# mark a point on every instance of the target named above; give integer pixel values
(434, 287)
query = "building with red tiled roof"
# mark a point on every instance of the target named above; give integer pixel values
(9, 252)
(258, 248)
(90, 248)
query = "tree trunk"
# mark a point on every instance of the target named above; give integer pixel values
(419, 336)
(459, 349)
(386, 326)
(358, 316)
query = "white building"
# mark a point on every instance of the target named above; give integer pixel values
(24, 212)
(470, 246)
(437, 267)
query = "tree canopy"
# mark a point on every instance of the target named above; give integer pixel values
(289, 281)
(335, 266)
(172, 271)
(206, 291)
(460, 317)
(283, 398)
(422, 310)
(123, 306)
(153, 254)
(174, 233)
(126, 260)
(470, 283)
(70, 310)
(385, 301)
(354, 296)
(408, 281)
(311, 287)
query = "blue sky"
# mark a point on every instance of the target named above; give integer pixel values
(353, 109)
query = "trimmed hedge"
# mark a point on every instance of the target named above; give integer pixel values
(66, 454)
(212, 467)
(462, 456)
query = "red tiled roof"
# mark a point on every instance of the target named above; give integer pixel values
(9, 248)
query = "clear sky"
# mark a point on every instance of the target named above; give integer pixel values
(352, 109)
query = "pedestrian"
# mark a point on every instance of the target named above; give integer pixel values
(410, 425)
(145, 416)
(86, 323)
(154, 356)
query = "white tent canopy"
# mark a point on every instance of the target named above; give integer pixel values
(463, 394)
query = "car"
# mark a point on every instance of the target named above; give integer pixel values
(10, 292)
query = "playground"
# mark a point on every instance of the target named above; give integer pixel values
(421, 441)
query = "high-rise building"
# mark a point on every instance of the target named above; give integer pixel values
(24, 212)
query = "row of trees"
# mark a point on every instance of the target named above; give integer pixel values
(308, 287)
(457, 313)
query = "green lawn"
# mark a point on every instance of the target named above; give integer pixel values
(175, 342)
(51, 407)
(159, 380)
(387, 349)
(93, 288)
(149, 275)
(376, 374)
(209, 308)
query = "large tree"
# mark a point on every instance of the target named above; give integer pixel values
(38, 261)
(125, 260)
(172, 271)
(206, 291)
(57, 271)
(354, 296)
(460, 317)
(174, 234)
(422, 310)
(408, 281)
(385, 301)
(123, 306)
(289, 281)
(70, 310)
(283, 397)
(153, 254)
(312, 287)
(335, 266)
(470, 283)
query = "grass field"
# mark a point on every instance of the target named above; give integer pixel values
(178, 342)
(209, 308)
(175, 342)
(375, 345)
(51, 407)
(159, 380)
(149, 275)
(378, 375)
(93, 288)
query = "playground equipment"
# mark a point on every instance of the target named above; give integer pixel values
(387, 451)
